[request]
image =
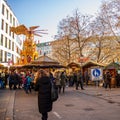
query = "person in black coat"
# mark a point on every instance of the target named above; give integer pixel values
(43, 86)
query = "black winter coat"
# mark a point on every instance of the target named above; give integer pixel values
(43, 86)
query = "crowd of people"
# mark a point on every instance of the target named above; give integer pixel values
(62, 79)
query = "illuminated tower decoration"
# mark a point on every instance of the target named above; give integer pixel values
(29, 52)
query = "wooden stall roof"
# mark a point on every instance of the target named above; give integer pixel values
(92, 63)
(73, 64)
(44, 62)
(44, 59)
(112, 65)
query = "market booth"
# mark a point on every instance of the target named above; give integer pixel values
(73, 66)
(44, 62)
(113, 68)
(87, 66)
(90, 64)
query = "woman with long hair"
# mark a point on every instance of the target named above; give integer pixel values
(43, 86)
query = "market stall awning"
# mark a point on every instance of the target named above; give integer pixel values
(44, 62)
(92, 63)
(113, 65)
(73, 65)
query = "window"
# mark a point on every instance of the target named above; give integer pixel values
(12, 46)
(1, 54)
(6, 42)
(6, 28)
(13, 21)
(3, 9)
(9, 44)
(13, 35)
(5, 58)
(2, 25)
(7, 15)
(10, 18)
(1, 41)
(9, 32)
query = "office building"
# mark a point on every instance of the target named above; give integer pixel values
(10, 44)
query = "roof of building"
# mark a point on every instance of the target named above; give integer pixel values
(92, 63)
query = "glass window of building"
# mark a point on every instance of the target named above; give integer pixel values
(13, 21)
(9, 32)
(9, 44)
(3, 9)
(13, 35)
(7, 14)
(10, 18)
(2, 25)
(6, 28)
(1, 40)
(5, 56)
(6, 42)
(12, 46)
(1, 54)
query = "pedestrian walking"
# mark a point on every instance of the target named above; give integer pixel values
(75, 79)
(3, 78)
(79, 80)
(117, 77)
(63, 81)
(108, 80)
(43, 86)
(6, 78)
(1, 82)
(57, 81)
(28, 84)
(86, 77)
(71, 79)
(11, 80)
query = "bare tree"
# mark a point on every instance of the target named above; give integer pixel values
(110, 12)
(105, 33)
(65, 47)
(80, 30)
(80, 35)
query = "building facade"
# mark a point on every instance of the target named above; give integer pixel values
(10, 44)
(44, 48)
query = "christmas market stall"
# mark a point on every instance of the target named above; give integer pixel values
(89, 64)
(44, 62)
(73, 66)
(113, 68)
(87, 67)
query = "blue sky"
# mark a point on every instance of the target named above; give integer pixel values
(48, 13)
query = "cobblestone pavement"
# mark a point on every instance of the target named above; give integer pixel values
(17, 105)
(6, 104)
(111, 95)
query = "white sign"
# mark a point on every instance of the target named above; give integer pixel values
(96, 74)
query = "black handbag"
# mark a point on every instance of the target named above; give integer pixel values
(54, 92)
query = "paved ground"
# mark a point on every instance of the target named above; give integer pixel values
(15, 105)
(7, 99)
